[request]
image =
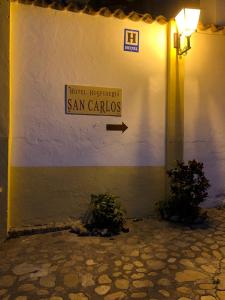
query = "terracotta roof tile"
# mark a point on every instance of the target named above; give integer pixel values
(113, 10)
(76, 6)
(211, 28)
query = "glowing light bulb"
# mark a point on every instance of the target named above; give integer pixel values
(187, 21)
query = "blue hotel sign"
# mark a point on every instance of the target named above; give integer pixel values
(131, 40)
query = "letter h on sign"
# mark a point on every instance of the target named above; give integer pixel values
(131, 40)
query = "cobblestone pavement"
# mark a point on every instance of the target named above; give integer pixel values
(154, 261)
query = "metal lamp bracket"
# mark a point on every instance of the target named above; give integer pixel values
(177, 44)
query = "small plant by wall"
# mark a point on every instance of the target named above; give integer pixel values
(188, 188)
(104, 217)
(106, 213)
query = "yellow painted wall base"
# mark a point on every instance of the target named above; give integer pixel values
(4, 113)
(3, 186)
(45, 194)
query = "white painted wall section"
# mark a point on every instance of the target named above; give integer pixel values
(213, 12)
(52, 48)
(205, 108)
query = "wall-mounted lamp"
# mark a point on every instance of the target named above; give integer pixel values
(187, 21)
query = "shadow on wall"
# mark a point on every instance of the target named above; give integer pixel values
(150, 141)
(213, 148)
(204, 111)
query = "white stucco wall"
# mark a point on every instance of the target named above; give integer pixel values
(213, 12)
(52, 48)
(205, 109)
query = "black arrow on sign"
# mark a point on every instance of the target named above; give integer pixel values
(116, 127)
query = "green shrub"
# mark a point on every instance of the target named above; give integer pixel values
(188, 188)
(106, 213)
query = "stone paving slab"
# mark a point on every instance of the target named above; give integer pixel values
(156, 260)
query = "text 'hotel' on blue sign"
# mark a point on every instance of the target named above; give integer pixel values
(131, 40)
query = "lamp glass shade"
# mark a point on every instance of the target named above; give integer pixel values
(187, 21)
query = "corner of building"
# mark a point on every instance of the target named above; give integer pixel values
(4, 113)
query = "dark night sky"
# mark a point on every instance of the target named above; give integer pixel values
(168, 8)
